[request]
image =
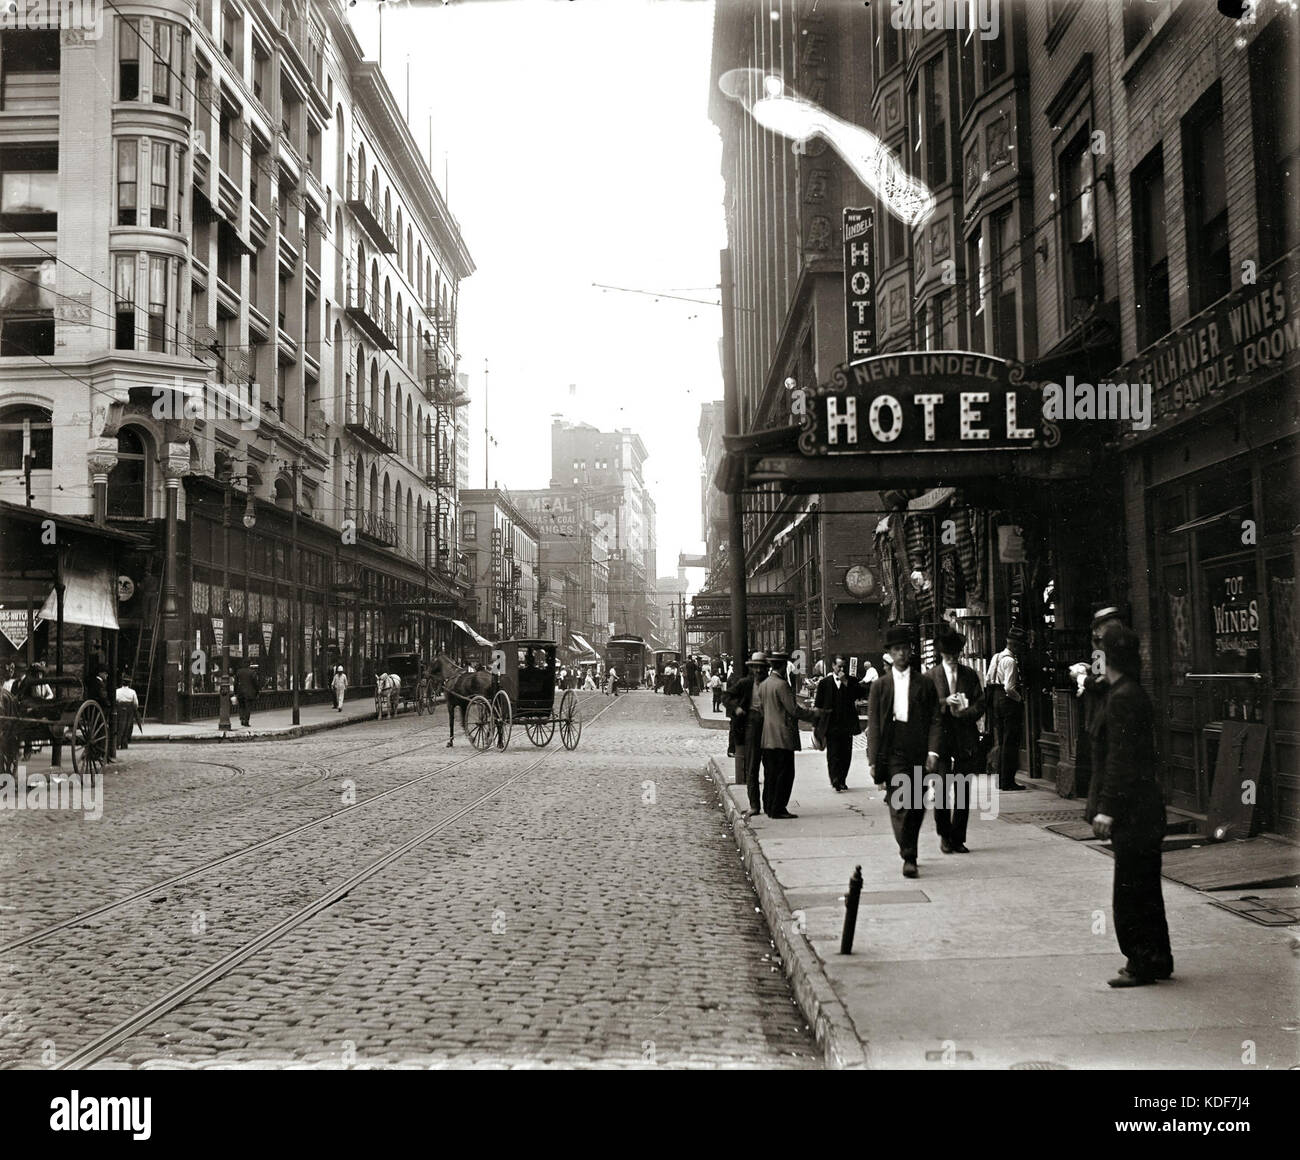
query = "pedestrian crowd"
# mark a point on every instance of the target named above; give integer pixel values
(925, 745)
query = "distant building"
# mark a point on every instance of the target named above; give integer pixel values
(502, 550)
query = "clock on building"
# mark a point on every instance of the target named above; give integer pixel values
(859, 581)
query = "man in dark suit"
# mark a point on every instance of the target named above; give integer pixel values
(747, 724)
(961, 704)
(781, 717)
(1126, 804)
(247, 687)
(838, 693)
(903, 739)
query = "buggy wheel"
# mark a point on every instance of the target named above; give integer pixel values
(89, 739)
(540, 732)
(8, 734)
(479, 725)
(505, 718)
(570, 720)
(421, 699)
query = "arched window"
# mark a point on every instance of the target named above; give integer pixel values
(358, 387)
(361, 172)
(361, 274)
(419, 269)
(397, 424)
(283, 494)
(338, 366)
(437, 287)
(342, 149)
(400, 336)
(388, 399)
(338, 243)
(374, 287)
(373, 494)
(410, 276)
(397, 237)
(360, 468)
(388, 304)
(428, 279)
(374, 188)
(410, 524)
(338, 485)
(26, 431)
(412, 347)
(408, 436)
(128, 482)
(397, 512)
(388, 212)
(374, 389)
(386, 512)
(419, 440)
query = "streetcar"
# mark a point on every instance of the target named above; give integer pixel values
(523, 691)
(663, 657)
(626, 655)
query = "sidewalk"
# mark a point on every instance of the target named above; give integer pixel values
(267, 725)
(998, 958)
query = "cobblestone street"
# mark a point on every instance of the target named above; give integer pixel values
(556, 908)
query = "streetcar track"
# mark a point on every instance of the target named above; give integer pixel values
(274, 839)
(97, 1048)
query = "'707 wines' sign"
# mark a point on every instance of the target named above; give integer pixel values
(924, 401)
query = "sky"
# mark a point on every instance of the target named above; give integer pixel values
(573, 141)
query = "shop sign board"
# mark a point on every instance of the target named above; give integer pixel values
(218, 630)
(1247, 337)
(13, 623)
(1234, 618)
(924, 401)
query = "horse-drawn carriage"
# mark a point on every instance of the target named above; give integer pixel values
(67, 718)
(412, 689)
(518, 686)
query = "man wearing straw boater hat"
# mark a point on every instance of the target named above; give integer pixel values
(747, 723)
(903, 740)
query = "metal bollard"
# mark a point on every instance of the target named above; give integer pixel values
(851, 911)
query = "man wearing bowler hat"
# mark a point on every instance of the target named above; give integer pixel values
(961, 705)
(903, 740)
(838, 693)
(747, 723)
(781, 717)
(1126, 804)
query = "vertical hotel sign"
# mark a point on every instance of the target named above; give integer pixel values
(860, 282)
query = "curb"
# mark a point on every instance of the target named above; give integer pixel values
(290, 731)
(701, 722)
(821, 1008)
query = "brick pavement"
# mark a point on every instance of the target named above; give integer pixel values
(594, 914)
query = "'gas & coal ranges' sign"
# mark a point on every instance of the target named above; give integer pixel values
(925, 401)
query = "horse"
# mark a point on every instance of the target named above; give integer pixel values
(459, 686)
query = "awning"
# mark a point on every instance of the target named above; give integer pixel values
(582, 643)
(89, 597)
(1207, 521)
(477, 639)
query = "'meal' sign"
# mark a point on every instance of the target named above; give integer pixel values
(925, 401)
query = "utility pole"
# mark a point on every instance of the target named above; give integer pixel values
(486, 435)
(295, 606)
(223, 686)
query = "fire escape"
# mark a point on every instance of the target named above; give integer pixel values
(439, 371)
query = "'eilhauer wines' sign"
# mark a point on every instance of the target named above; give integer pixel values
(925, 401)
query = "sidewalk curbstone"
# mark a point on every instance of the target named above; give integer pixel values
(842, 1049)
(253, 734)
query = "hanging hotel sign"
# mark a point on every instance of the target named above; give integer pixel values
(860, 281)
(1247, 337)
(925, 401)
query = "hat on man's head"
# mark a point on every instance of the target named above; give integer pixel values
(777, 655)
(759, 658)
(898, 634)
(1018, 636)
(949, 641)
(1110, 612)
